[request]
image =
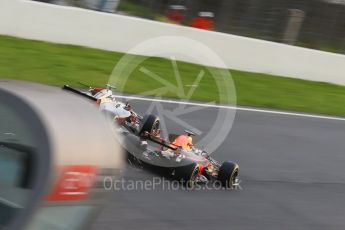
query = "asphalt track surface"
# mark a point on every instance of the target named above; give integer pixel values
(292, 177)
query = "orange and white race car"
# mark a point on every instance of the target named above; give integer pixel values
(179, 159)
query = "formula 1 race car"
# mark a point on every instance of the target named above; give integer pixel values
(180, 160)
(120, 112)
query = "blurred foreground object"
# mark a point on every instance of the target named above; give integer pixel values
(55, 151)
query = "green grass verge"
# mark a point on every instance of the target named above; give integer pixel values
(57, 65)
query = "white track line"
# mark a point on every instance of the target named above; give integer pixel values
(233, 107)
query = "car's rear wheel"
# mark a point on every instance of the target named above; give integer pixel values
(150, 124)
(187, 174)
(228, 173)
(192, 178)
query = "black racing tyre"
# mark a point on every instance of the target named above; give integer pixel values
(228, 173)
(187, 174)
(150, 124)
